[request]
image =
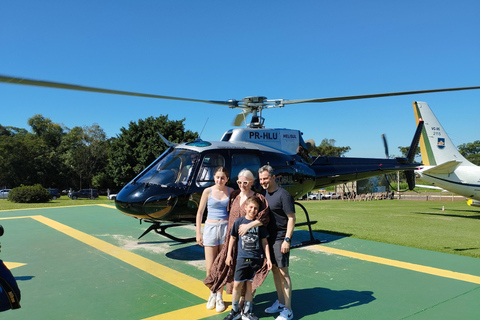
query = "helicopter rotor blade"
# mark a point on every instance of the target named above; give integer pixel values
(238, 119)
(377, 95)
(385, 145)
(58, 85)
(230, 103)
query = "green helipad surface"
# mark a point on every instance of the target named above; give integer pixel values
(85, 262)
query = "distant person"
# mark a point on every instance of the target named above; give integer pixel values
(280, 229)
(186, 171)
(216, 199)
(222, 274)
(252, 250)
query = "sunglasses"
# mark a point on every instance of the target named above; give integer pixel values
(245, 183)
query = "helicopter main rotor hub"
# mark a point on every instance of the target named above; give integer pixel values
(254, 105)
(254, 101)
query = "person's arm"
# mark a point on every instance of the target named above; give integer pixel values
(263, 218)
(266, 249)
(200, 211)
(290, 226)
(243, 229)
(229, 260)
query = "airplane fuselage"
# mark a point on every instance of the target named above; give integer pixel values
(464, 181)
(444, 166)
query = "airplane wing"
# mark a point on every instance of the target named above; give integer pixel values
(444, 168)
(429, 187)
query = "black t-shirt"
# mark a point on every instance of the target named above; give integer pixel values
(280, 203)
(250, 244)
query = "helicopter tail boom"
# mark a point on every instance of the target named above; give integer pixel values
(336, 170)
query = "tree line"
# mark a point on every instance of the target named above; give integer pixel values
(55, 156)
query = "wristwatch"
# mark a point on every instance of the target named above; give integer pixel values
(287, 239)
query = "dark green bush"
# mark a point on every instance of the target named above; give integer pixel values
(29, 194)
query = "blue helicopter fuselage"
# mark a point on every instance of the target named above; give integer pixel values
(171, 187)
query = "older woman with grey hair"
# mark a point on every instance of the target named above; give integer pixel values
(221, 274)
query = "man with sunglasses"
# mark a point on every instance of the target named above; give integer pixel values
(280, 229)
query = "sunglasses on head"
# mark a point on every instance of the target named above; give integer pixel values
(245, 183)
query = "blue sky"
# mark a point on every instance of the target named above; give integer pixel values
(220, 50)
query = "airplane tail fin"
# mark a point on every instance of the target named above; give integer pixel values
(435, 145)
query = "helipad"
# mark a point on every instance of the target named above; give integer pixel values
(85, 262)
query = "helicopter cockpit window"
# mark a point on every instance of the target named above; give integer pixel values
(210, 162)
(245, 161)
(172, 167)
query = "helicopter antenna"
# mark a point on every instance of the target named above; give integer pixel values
(168, 143)
(203, 128)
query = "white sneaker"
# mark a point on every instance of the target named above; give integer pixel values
(249, 316)
(276, 307)
(220, 305)
(286, 314)
(211, 302)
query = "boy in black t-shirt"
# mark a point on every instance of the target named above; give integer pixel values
(252, 250)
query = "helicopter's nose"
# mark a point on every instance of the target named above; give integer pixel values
(143, 206)
(152, 208)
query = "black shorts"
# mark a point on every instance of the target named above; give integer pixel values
(278, 258)
(246, 269)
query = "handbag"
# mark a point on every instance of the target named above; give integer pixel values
(9, 291)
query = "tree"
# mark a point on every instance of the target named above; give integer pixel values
(22, 159)
(471, 151)
(327, 148)
(51, 170)
(404, 151)
(45, 129)
(139, 145)
(85, 153)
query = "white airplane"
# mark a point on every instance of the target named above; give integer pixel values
(443, 165)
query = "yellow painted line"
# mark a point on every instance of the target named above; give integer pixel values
(11, 218)
(197, 288)
(175, 278)
(194, 312)
(403, 265)
(107, 206)
(11, 265)
(57, 207)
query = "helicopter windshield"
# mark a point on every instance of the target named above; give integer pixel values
(172, 168)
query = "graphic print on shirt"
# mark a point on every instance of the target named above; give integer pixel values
(250, 240)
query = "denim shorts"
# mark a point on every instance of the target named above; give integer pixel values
(214, 234)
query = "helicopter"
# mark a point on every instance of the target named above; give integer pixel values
(167, 193)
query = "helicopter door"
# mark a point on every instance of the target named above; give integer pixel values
(210, 162)
(245, 161)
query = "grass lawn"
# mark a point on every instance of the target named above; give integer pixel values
(60, 202)
(419, 224)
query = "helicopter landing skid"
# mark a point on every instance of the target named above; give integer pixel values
(158, 228)
(309, 224)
